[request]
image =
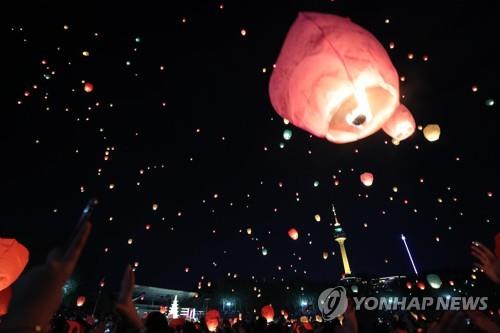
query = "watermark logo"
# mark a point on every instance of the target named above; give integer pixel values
(332, 302)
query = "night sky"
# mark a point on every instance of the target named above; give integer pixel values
(180, 117)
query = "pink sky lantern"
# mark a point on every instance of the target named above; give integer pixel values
(267, 312)
(13, 259)
(212, 318)
(293, 233)
(333, 79)
(80, 301)
(366, 178)
(88, 87)
(401, 125)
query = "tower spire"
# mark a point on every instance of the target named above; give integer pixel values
(340, 237)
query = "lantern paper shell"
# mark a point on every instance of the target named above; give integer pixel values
(434, 281)
(293, 233)
(267, 312)
(80, 300)
(432, 132)
(333, 79)
(5, 296)
(13, 259)
(366, 178)
(401, 125)
(212, 318)
(88, 87)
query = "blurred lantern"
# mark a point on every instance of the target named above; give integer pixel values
(366, 178)
(333, 79)
(5, 296)
(249, 231)
(489, 102)
(264, 251)
(13, 259)
(409, 284)
(267, 312)
(317, 217)
(88, 87)
(421, 285)
(80, 301)
(212, 318)
(163, 309)
(434, 281)
(432, 132)
(401, 125)
(155, 206)
(325, 255)
(354, 288)
(293, 233)
(287, 134)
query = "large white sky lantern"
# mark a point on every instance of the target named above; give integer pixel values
(333, 79)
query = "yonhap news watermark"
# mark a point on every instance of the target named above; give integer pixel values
(333, 302)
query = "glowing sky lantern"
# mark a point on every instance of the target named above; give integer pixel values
(333, 79)
(366, 178)
(317, 218)
(5, 296)
(13, 258)
(80, 301)
(212, 318)
(401, 125)
(325, 255)
(249, 231)
(267, 312)
(293, 233)
(88, 87)
(432, 132)
(421, 285)
(434, 281)
(287, 134)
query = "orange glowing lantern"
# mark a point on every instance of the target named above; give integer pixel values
(80, 301)
(293, 233)
(5, 296)
(333, 79)
(267, 312)
(88, 87)
(13, 258)
(401, 125)
(421, 285)
(409, 285)
(366, 178)
(212, 318)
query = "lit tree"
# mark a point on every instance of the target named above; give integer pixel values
(174, 309)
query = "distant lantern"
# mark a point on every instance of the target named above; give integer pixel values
(5, 297)
(401, 125)
(287, 134)
(249, 231)
(434, 281)
(80, 301)
(264, 251)
(13, 259)
(212, 318)
(432, 132)
(354, 288)
(409, 285)
(293, 233)
(421, 285)
(325, 255)
(155, 207)
(267, 312)
(88, 87)
(366, 178)
(317, 218)
(333, 79)
(489, 102)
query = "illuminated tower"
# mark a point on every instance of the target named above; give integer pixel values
(340, 237)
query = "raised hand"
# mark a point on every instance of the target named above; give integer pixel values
(488, 262)
(37, 294)
(125, 306)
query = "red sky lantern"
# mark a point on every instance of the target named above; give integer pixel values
(366, 178)
(13, 258)
(80, 301)
(5, 296)
(421, 285)
(409, 284)
(293, 233)
(267, 312)
(212, 318)
(401, 125)
(333, 79)
(88, 87)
